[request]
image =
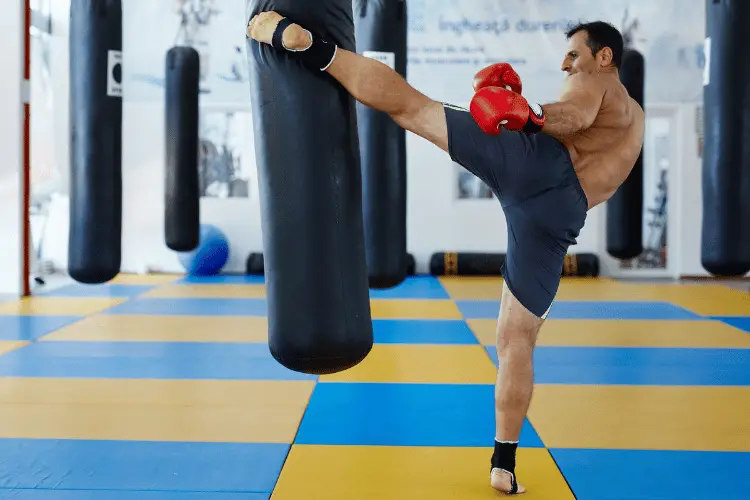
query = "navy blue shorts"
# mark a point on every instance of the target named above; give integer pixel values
(543, 201)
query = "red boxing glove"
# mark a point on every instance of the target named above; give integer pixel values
(498, 75)
(493, 107)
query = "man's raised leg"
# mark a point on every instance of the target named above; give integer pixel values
(517, 330)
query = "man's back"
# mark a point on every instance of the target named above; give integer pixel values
(604, 154)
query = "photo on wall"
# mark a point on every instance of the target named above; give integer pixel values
(470, 187)
(225, 168)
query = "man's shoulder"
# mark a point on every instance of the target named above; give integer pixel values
(637, 109)
(639, 117)
(591, 84)
(636, 112)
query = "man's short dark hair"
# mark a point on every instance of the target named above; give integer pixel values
(599, 35)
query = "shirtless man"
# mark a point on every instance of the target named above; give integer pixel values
(548, 165)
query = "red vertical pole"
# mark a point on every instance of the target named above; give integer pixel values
(26, 211)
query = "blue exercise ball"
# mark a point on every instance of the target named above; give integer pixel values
(211, 255)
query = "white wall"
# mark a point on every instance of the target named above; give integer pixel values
(50, 155)
(688, 194)
(143, 247)
(11, 135)
(437, 221)
(143, 198)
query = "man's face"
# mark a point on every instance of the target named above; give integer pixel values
(578, 57)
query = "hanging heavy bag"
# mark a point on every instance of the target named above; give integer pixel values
(310, 187)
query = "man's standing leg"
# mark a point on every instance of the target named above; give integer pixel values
(517, 330)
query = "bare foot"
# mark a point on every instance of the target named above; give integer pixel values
(502, 481)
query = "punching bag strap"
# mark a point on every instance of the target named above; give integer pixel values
(318, 55)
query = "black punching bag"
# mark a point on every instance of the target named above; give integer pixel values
(94, 238)
(381, 29)
(625, 208)
(466, 264)
(310, 183)
(181, 193)
(726, 155)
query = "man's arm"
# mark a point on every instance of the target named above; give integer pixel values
(577, 108)
(369, 81)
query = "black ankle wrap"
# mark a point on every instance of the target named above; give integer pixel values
(504, 458)
(514, 484)
(319, 55)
